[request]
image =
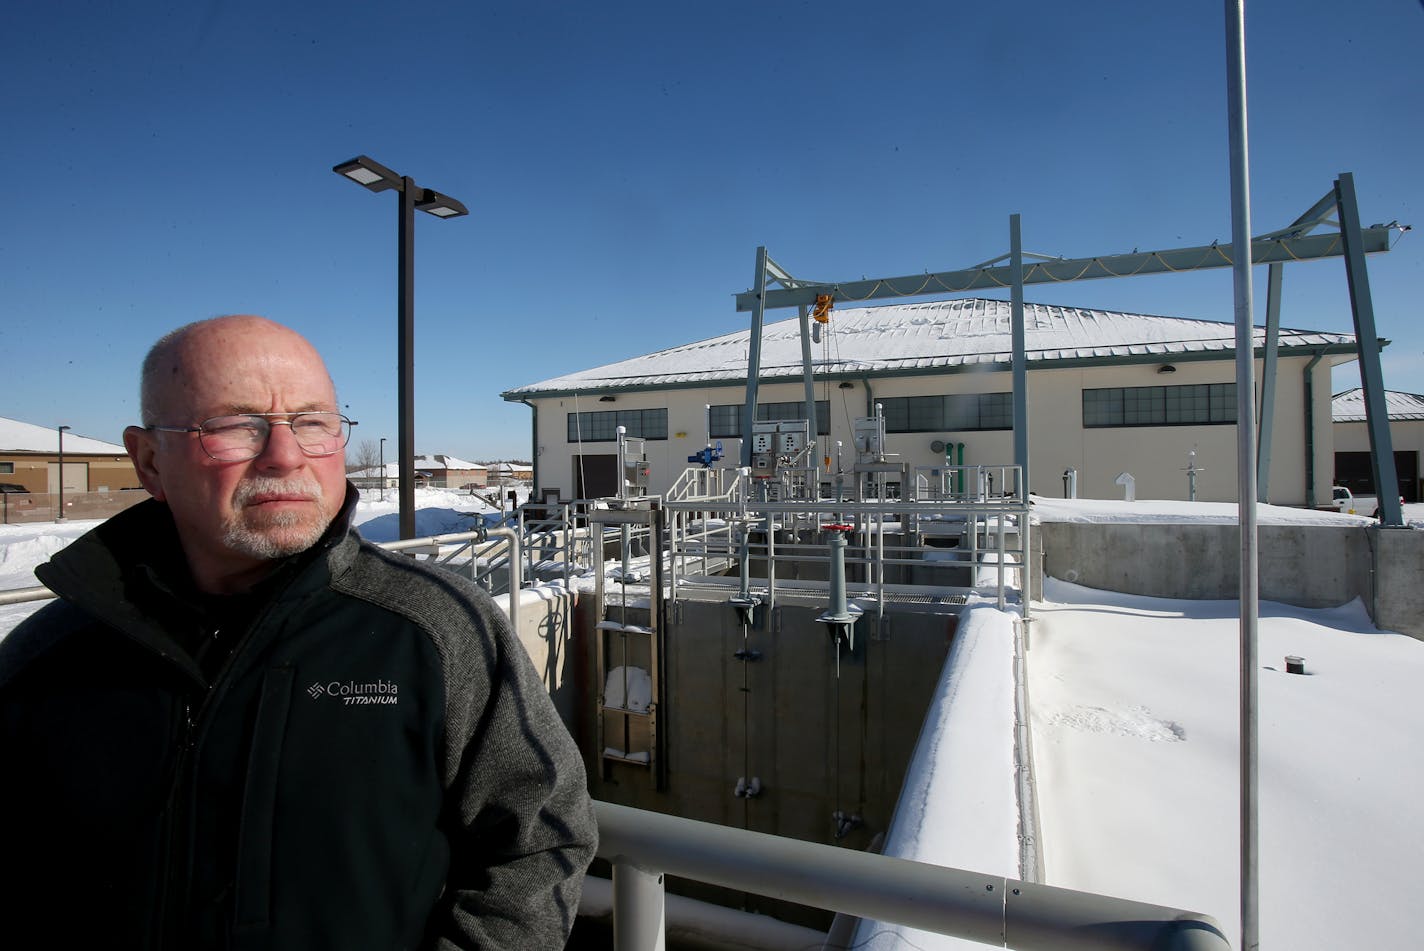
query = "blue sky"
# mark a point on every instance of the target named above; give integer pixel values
(623, 161)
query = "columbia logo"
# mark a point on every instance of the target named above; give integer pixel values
(316, 690)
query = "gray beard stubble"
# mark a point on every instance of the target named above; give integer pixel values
(283, 534)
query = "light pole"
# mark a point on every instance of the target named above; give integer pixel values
(376, 177)
(383, 468)
(60, 517)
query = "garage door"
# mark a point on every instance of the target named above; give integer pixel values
(1352, 470)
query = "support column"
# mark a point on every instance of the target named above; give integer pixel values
(1266, 425)
(754, 360)
(405, 355)
(1371, 376)
(639, 912)
(1240, 166)
(1020, 359)
(809, 381)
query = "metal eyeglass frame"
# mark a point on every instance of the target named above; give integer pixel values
(269, 421)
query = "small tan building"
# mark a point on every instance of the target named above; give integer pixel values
(1108, 393)
(439, 469)
(29, 458)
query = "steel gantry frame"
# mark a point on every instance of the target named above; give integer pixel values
(1295, 242)
(1275, 249)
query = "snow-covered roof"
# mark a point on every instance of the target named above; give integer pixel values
(1349, 406)
(927, 337)
(392, 471)
(17, 436)
(440, 460)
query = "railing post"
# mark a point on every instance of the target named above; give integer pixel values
(639, 913)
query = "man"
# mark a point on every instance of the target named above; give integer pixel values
(244, 727)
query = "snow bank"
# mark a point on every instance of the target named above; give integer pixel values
(1135, 730)
(959, 805)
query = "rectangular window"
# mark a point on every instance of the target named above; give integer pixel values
(960, 412)
(602, 425)
(7, 468)
(727, 418)
(1195, 404)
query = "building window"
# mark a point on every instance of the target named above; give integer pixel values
(726, 420)
(1198, 404)
(602, 425)
(961, 412)
(7, 468)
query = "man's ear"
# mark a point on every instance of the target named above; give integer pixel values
(142, 447)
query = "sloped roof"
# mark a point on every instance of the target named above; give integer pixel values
(925, 338)
(1349, 406)
(442, 461)
(17, 436)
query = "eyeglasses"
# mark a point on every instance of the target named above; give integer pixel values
(239, 438)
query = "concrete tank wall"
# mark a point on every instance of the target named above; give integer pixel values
(818, 743)
(1305, 565)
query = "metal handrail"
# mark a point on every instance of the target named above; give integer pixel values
(643, 846)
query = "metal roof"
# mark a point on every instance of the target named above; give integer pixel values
(17, 436)
(1349, 406)
(932, 337)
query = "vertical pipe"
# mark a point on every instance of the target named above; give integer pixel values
(1266, 426)
(639, 912)
(1000, 532)
(568, 546)
(837, 544)
(1245, 457)
(405, 354)
(1309, 390)
(754, 357)
(1371, 376)
(1020, 359)
(59, 514)
(538, 485)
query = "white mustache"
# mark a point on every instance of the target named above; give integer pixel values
(252, 488)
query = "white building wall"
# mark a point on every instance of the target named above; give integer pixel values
(1156, 456)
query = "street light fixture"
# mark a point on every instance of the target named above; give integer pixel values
(374, 176)
(60, 516)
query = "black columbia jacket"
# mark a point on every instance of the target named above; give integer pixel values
(369, 761)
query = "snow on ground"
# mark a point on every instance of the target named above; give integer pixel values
(1135, 717)
(1174, 512)
(1134, 714)
(437, 512)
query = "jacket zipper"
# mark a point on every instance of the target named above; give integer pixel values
(177, 815)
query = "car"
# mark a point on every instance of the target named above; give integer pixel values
(13, 488)
(1343, 499)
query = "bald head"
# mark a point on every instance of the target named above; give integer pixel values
(182, 356)
(237, 517)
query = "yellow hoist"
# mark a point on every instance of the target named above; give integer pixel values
(821, 313)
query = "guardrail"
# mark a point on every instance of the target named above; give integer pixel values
(644, 846)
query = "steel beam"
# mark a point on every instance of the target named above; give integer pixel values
(1266, 425)
(1374, 239)
(1371, 376)
(754, 359)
